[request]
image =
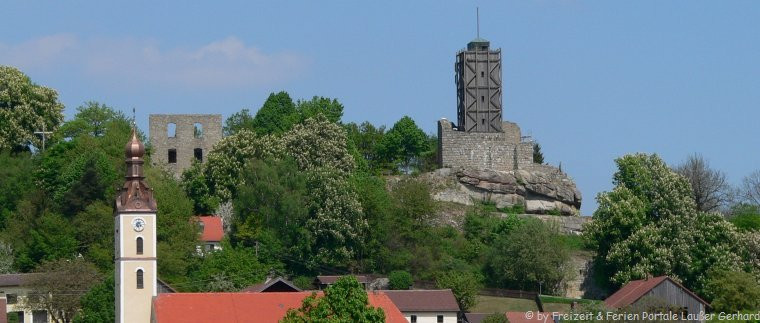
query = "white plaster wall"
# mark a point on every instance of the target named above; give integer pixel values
(431, 317)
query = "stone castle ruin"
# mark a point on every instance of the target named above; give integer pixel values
(486, 156)
(177, 140)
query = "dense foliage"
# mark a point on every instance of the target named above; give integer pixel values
(343, 302)
(519, 260)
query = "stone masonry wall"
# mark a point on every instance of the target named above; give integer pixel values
(184, 142)
(501, 151)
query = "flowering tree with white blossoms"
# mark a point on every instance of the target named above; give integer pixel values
(25, 107)
(649, 225)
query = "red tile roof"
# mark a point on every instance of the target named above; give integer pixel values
(635, 289)
(244, 307)
(212, 228)
(418, 300)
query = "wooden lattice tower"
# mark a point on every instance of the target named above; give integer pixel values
(478, 80)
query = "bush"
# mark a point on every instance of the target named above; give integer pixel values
(464, 285)
(733, 291)
(400, 279)
(496, 318)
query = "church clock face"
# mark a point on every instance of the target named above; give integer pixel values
(138, 224)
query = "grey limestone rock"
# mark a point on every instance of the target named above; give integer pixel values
(540, 189)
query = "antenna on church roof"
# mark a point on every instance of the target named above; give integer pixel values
(477, 20)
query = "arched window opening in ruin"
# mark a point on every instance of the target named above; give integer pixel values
(198, 153)
(198, 130)
(171, 130)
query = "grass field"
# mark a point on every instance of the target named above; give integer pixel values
(492, 304)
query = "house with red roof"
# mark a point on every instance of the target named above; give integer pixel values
(212, 233)
(245, 307)
(658, 293)
(426, 306)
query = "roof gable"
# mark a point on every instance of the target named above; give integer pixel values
(635, 289)
(273, 285)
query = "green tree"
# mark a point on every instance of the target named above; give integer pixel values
(93, 119)
(329, 108)
(25, 107)
(98, 303)
(532, 257)
(400, 279)
(464, 285)
(59, 287)
(238, 121)
(649, 225)
(403, 144)
(345, 301)
(195, 184)
(376, 203)
(745, 217)
(733, 291)
(87, 189)
(16, 181)
(275, 198)
(37, 234)
(176, 234)
(276, 116)
(366, 139)
(538, 156)
(230, 270)
(94, 234)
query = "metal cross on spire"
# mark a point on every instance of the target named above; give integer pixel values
(44, 133)
(134, 118)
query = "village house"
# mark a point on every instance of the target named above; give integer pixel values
(426, 306)
(212, 233)
(658, 293)
(12, 295)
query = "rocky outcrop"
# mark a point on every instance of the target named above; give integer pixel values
(538, 189)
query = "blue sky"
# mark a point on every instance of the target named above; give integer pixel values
(590, 80)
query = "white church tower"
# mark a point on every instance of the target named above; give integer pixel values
(135, 241)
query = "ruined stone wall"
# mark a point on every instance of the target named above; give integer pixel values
(187, 144)
(502, 151)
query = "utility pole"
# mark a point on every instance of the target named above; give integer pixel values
(44, 135)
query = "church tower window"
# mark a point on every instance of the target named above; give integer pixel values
(140, 284)
(139, 244)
